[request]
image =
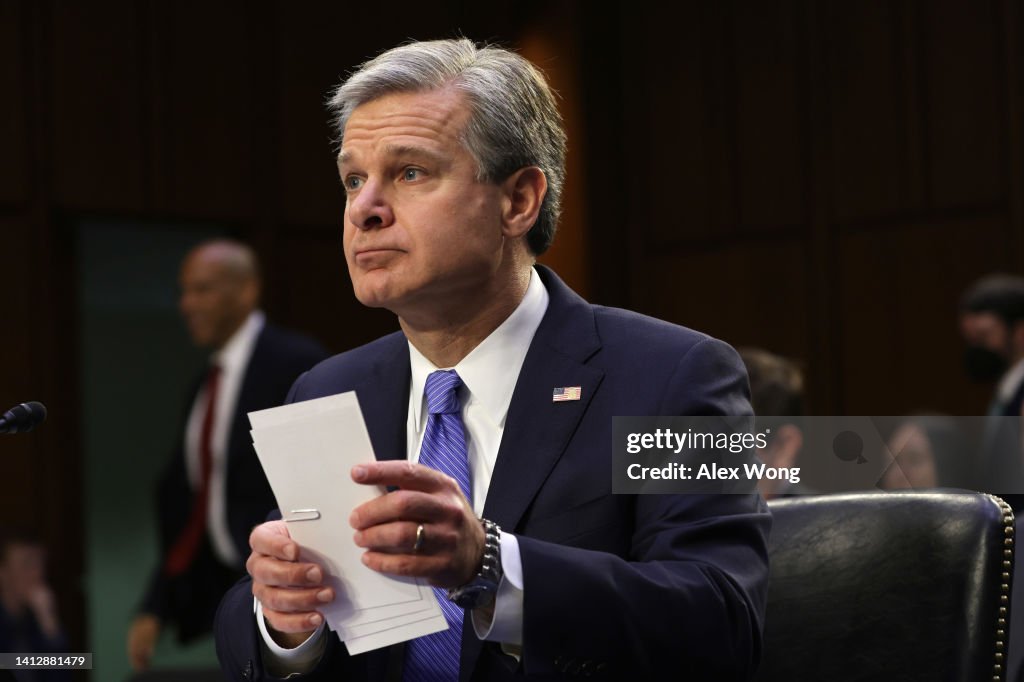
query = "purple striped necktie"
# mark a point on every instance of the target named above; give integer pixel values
(435, 657)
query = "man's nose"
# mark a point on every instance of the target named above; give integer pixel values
(370, 207)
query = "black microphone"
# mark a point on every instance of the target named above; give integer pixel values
(23, 417)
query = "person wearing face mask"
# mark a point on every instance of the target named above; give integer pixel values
(931, 451)
(992, 325)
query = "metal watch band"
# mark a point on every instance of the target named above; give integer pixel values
(482, 589)
(490, 567)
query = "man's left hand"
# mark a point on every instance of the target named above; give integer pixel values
(453, 538)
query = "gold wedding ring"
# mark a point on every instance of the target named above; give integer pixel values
(420, 534)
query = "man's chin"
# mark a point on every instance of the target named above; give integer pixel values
(373, 296)
(202, 340)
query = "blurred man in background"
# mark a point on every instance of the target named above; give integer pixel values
(992, 325)
(930, 451)
(214, 491)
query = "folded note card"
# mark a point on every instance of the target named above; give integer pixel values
(307, 450)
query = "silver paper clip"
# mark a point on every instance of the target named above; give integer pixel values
(303, 515)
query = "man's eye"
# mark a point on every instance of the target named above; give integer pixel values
(353, 182)
(412, 174)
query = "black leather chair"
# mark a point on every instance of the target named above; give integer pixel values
(889, 587)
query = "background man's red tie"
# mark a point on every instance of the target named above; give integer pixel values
(187, 545)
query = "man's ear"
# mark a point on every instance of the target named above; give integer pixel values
(522, 195)
(1017, 339)
(250, 293)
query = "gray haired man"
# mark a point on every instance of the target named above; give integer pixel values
(490, 414)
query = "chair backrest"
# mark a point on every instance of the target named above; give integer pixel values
(889, 586)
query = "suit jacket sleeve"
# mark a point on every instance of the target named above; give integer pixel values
(689, 593)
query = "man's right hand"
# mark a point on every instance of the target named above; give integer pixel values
(290, 591)
(142, 637)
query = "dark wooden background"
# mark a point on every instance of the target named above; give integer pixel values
(818, 178)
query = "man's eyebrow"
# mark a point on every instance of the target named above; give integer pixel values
(398, 151)
(411, 150)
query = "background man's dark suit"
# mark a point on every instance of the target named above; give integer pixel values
(619, 584)
(190, 600)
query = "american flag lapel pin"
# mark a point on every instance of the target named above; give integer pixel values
(564, 393)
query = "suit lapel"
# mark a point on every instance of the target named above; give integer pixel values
(537, 429)
(384, 400)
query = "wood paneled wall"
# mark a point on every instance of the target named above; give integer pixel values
(821, 179)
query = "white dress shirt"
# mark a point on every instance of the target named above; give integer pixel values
(1009, 383)
(489, 375)
(233, 359)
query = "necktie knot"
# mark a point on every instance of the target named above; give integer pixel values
(442, 392)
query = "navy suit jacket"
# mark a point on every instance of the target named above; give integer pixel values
(278, 357)
(617, 586)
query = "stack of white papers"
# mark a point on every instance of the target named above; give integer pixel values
(308, 450)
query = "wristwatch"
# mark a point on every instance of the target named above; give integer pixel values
(482, 589)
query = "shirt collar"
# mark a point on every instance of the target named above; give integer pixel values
(235, 353)
(491, 370)
(1011, 381)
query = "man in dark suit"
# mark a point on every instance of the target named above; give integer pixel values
(992, 326)
(213, 490)
(491, 413)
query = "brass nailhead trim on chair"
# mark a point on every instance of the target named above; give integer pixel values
(1004, 587)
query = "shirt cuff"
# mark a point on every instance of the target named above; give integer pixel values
(282, 662)
(507, 624)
